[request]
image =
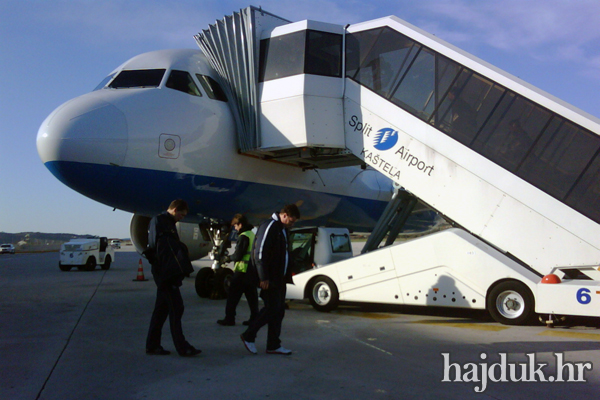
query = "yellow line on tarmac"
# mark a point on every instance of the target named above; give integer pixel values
(297, 306)
(464, 325)
(366, 314)
(573, 335)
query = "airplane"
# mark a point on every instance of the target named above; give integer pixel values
(177, 123)
(159, 127)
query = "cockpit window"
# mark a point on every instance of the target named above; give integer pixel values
(143, 78)
(182, 81)
(212, 88)
(104, 82)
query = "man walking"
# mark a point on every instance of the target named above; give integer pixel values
(270, 269)
(170, 264)
(239, 284)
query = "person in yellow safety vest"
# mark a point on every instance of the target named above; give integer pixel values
(239, 282)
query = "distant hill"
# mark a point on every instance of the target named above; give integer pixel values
(38, 241)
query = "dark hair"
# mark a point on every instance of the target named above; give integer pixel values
(291, 210)
(179, 205)
(241, 219)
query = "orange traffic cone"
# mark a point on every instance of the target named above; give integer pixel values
(140, 274)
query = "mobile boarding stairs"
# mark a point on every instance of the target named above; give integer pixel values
(379, 95)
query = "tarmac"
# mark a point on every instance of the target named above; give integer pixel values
(81, 335)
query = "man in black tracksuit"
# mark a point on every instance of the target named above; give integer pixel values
(170, 264)
(270, 269)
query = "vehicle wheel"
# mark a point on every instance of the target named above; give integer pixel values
(511, 303)
(90, 264)
(204, 282)
(324, 295)
(221, 283)
(107, 262)
(64, 267)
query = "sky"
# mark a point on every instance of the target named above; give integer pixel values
(52, 51)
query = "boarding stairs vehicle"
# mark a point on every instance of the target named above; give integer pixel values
(513, 169)
(85, 254)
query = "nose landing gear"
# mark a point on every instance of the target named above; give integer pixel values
(213, 282)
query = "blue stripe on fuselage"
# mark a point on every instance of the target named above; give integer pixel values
(148, 192)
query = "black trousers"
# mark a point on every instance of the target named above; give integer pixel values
(169, 303)
(240, 285)
(271, 314)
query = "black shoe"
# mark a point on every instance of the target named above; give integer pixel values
(190, 352)
(159, 351)
(226, 322)
(246, 322)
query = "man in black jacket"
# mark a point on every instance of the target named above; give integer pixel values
(271, 258)
(170, 264)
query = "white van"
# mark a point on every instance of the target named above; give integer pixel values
(85, 254)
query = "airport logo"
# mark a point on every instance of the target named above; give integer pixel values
(385, 139)
(504, 371)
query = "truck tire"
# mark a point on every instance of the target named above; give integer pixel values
(107, 261)
(324, 295)
(204, 282)
(511, 303)
(90, 264)
(64, 267)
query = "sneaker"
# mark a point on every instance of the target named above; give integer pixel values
(281, 350)
(250, 346)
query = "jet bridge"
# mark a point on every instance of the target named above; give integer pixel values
(517, 170)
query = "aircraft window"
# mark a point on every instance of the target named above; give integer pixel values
(340, 243)
(553, 154)
(446, 75)
(304, 52)
(417, 86)
(104, 82)
(182, 81)
(144, 78)
(559, 157)
(479, 97)
(358, 47)
(282, 56)
(211, 87)
(585, 195)
(323, 54)
(385, 64)
(511, 131)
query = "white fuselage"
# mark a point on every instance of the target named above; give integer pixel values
(136, 148)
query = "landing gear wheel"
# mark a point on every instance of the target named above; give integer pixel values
(204, 282)
(511, 303)
(221, 283)
(64, 267)
(107, 262)
(324, 295)
(90, 264)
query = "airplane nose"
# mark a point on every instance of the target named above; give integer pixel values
(83, 143)
(86, 129)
